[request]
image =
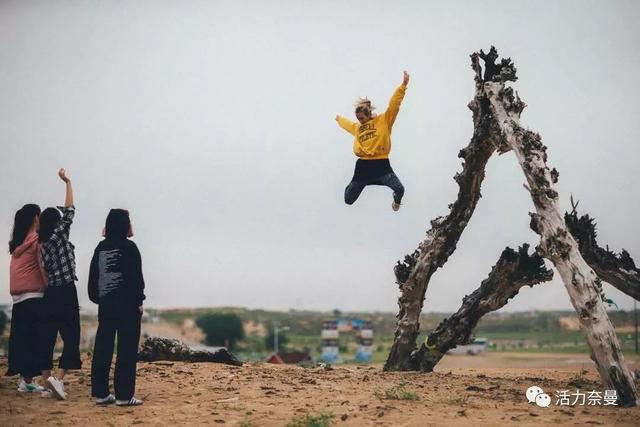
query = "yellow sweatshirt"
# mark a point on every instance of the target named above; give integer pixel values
(373, 139)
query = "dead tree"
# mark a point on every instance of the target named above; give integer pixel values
(513, 271)
(557, 243)
(618, 270)
(414, 273)
(155, 349)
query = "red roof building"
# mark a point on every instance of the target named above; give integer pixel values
(291, 357)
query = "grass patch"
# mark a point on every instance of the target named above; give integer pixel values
(246, 422)
(309, 420)
(578, 381)
(397, 392)
(458, 401)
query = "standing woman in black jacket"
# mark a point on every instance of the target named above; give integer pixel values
(117, 286)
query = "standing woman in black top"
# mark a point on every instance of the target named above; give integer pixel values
(116, 284)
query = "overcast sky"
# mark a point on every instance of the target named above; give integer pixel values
(213, 123)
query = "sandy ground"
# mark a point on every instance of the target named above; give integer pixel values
(465, 390)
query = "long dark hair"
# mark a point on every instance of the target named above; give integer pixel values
(118, 224)
(22, 222)
(48, 221)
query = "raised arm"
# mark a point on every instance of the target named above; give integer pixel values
(68, 210)
(396, 100)
(68, 198)
(347, 124)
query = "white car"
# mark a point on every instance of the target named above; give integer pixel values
(475, 347)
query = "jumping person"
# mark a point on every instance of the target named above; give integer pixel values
(116, 284)
(372, 145)
(61, 296)
(27, 283)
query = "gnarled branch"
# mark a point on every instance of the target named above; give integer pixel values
(415, 271)
(513, 271)
(619, 270)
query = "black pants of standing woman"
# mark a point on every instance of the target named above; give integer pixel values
(62, 314)
(27, 355)
(125, 324)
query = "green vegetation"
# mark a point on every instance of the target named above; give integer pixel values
(520, 322)
(283, 340)
(397, 392)
(535, 331)
(221, 329)
(301, 323)
(246, 422)
(321, 420)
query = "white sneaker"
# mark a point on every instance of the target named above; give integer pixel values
(57, 387)
(131, 402)
(46, 393)
(22, 386)
(31, 387)
(105, 400)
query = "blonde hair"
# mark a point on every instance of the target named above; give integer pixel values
(364, 105)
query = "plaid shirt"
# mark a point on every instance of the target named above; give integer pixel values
(57, 253)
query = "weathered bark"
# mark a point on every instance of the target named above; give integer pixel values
(513, 271)
(414, 273)
(154, 349)
(557, 244)
(618, 270)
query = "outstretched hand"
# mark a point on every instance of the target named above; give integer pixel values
(63, 175)
(405, 78)
(337, 117)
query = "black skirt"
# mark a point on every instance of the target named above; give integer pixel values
(370, 169)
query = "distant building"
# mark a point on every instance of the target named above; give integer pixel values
(329, 341)
(291, 357)
(365, 342)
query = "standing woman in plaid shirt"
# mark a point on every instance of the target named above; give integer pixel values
(61, 297)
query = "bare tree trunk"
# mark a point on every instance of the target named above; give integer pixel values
(556, 243)
(414, 273)
(513, 271)
(619, 270)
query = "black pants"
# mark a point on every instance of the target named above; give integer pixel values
(355, 187)
(63, 315)
(125, 323)
(28, 330)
